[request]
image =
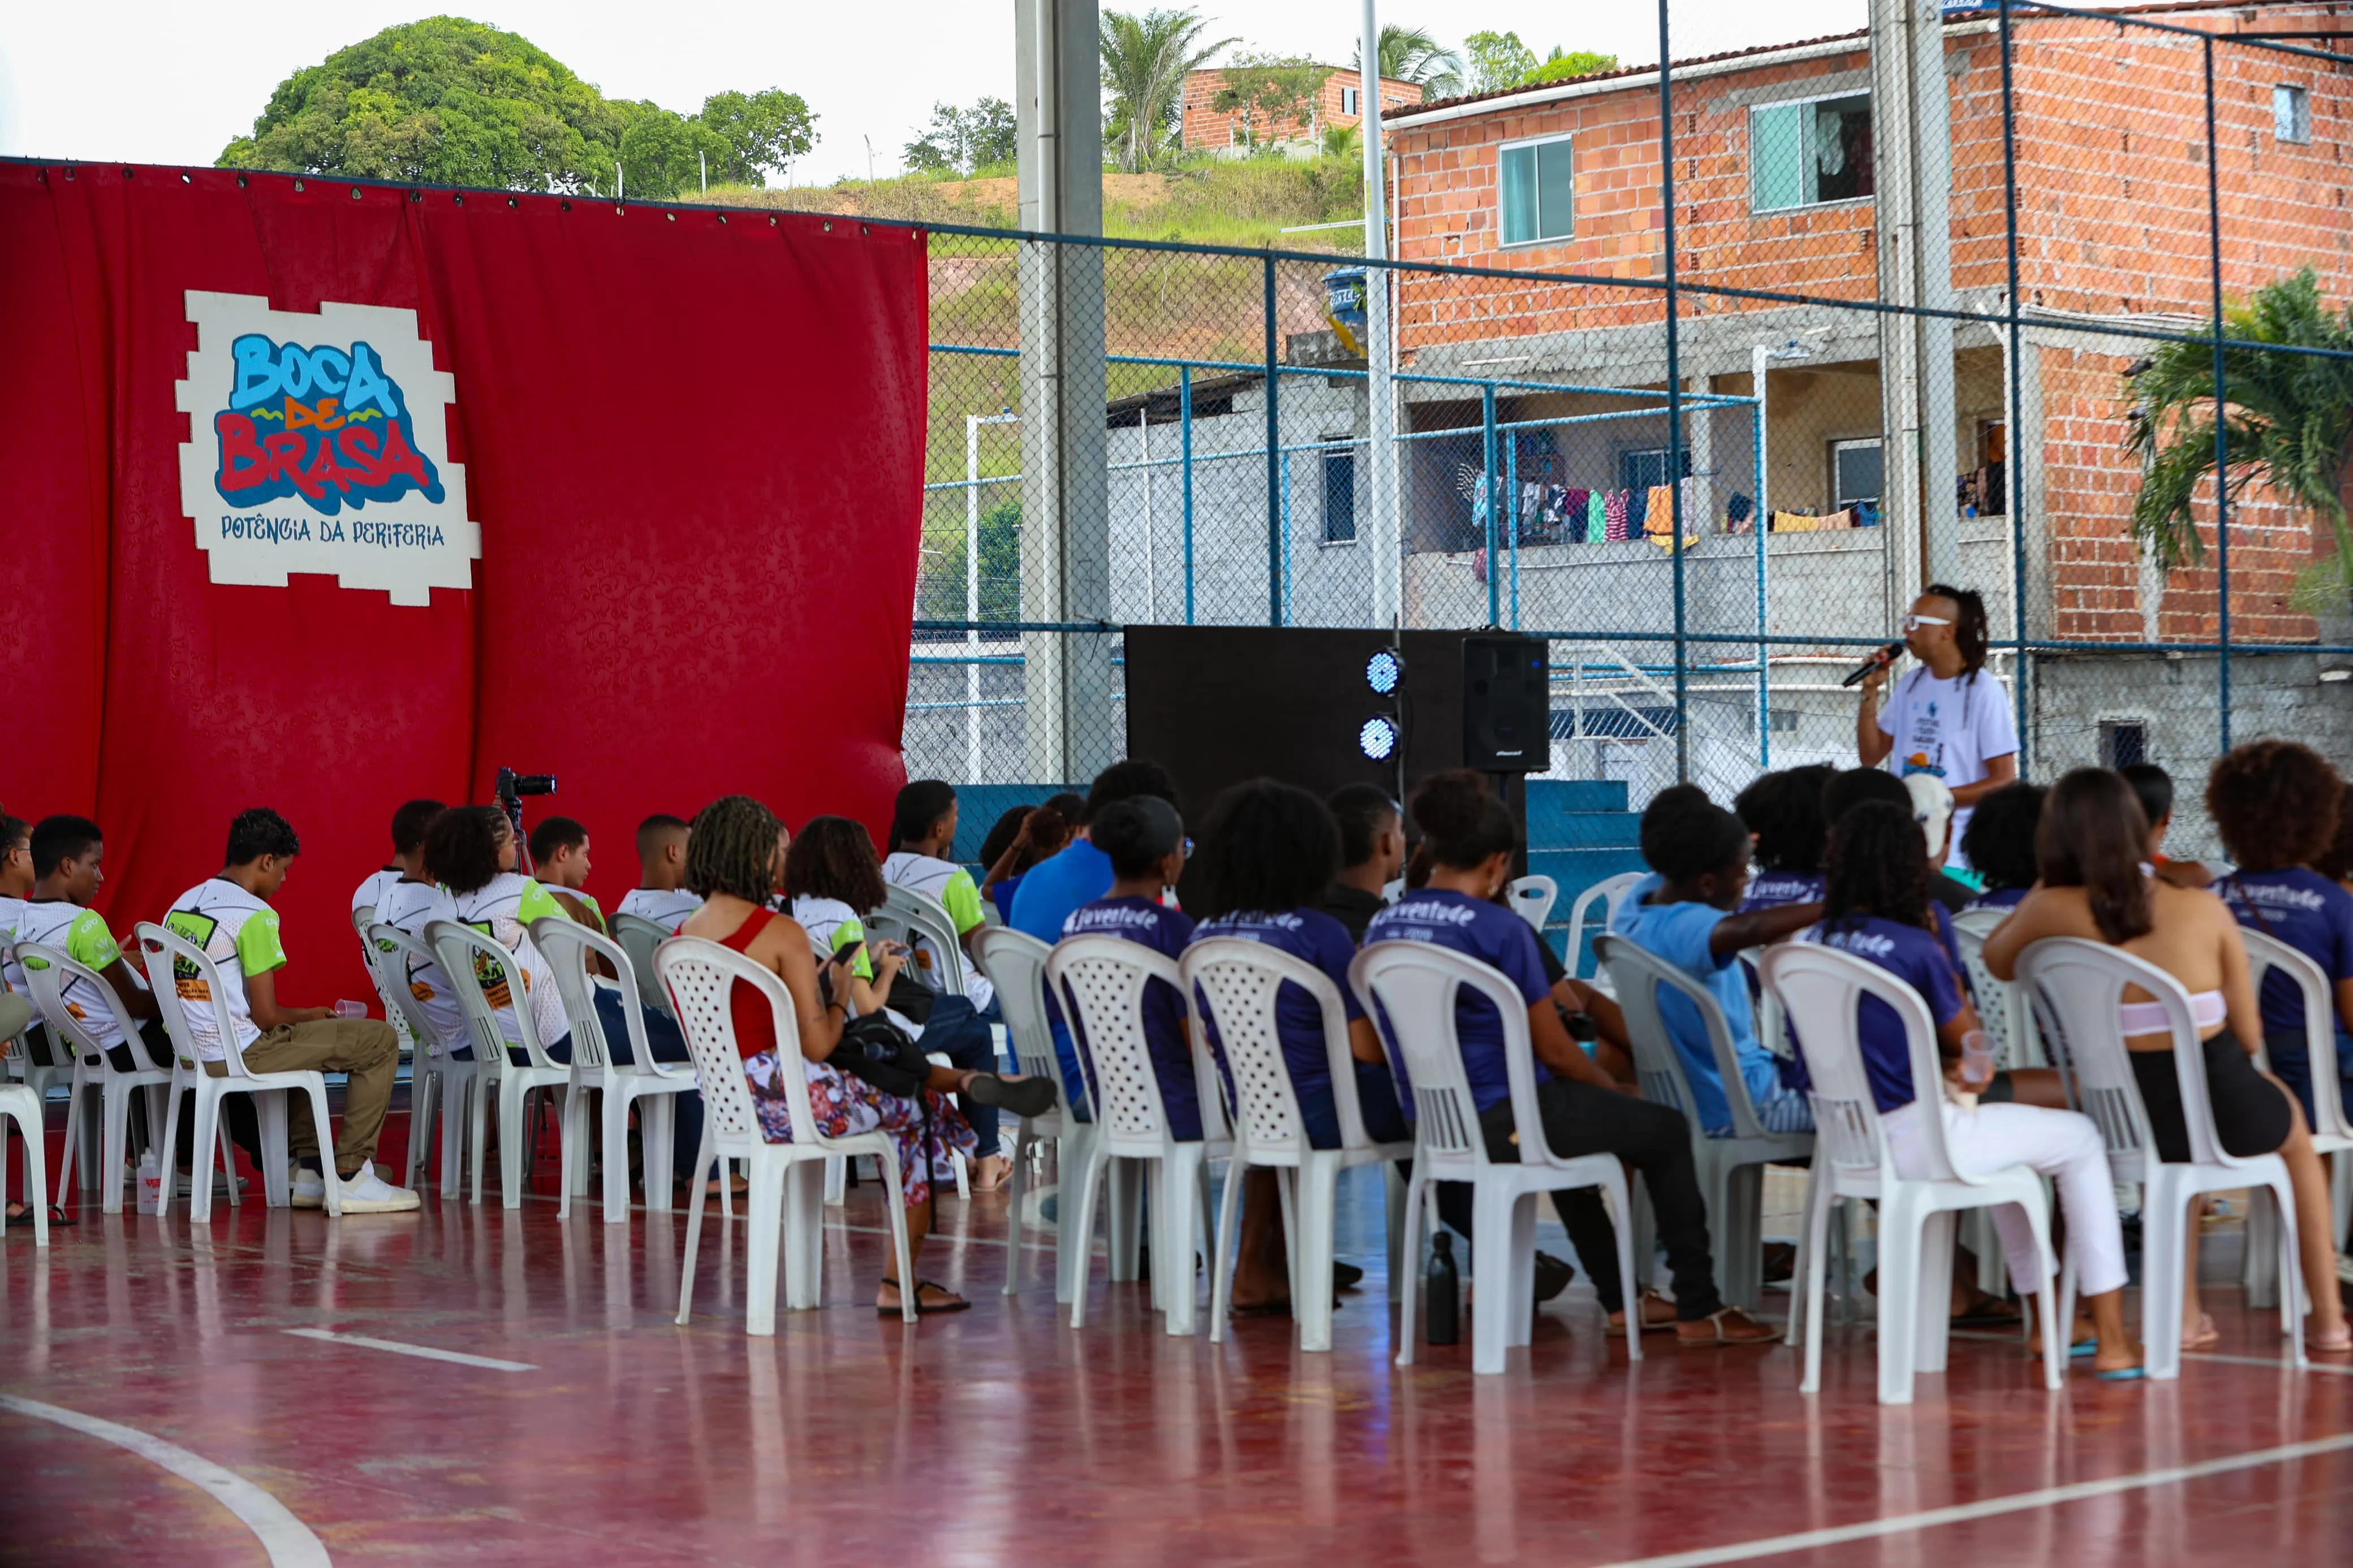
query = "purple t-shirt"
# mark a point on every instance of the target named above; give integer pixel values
(1771, 889)
(2305, 909)
(1996, 899)
(1492, 934)
(1922, 960)
(1165, 932)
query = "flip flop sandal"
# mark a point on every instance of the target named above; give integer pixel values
(1025, 1097)
(1717, 1336)
(2119, 1374)
(1650, 1325)
(938, 1310)
(57, 1216)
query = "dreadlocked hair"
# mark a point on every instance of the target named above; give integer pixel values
(1972, 634)
(730, 849)
(1876, 863)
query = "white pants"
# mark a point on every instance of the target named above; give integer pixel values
(2060, 1144)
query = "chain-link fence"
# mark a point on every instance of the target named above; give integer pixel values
(1702, 375)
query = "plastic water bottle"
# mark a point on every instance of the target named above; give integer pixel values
(1442, 1307)
(347, 1008)
(151, 1183)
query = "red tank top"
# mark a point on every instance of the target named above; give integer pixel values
(755, 1023)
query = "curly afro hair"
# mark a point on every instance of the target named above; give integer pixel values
(2274, 804)
(1269, 848)
(1876, 863)
(2000, 839)
(2336, 862)
(1784, 810)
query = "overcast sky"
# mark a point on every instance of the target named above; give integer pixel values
(167, 81)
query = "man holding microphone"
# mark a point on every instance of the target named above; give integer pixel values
(1945, 717)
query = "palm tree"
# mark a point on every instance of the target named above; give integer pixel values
(1412, 54)
(1145, 59)
(2287, 421)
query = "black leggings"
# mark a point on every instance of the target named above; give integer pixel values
(2251, 1114)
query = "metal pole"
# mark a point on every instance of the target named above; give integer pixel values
(1512, 490)
(1151, 571)
(1674, 394)
(1282, 610)
(2221, 391)
(1757, 525)
(972, 598)
(1380, 394)
(1273, 460)
(2014, 435)
(1488, 478)
(1185, 466)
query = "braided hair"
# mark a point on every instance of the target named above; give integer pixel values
(1876, 863)
(732, 848)
(1972, 632)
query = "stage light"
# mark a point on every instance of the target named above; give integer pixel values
(1377, 738)
(1383, 671)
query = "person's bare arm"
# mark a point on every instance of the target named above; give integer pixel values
(2026, 924)
(820, 1021)
(1364, 1041)
(1558, 1052)
(1734, 934)
(1871, 743)
(1999, 770)
(137, 1001)
(2345, 1004)
(262, 1001)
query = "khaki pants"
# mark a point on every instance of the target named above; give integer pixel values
(15, 1014)
(366, 1048)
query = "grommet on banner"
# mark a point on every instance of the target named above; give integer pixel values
(417, 196)
(127, 171)
(458, 197)
(241, 181)
(566, 205)
(828, 226)
(672, 217)
(772, 222)
(723, 220)
(863, 229)
(187, 178)
(355, 193)
(514, 202)
(298, 185)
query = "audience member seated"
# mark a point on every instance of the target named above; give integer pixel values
(1683, 912)
(15, 1006)
(1372, 856)
(2275, 802)
(1082, 873)
(1470, 839)
(1270, 852)
(559, 861)
(1876, 907)
(660, 895)
(229, 917)
(1024, 836)
(2336, 862)
(735, 864)
(834, 881)
(2000, 844)
(1783, 811)
(408, 826)
(2154, 786)
(411, 903)
(1855, 785)
(2091, 843)
(1142, 841)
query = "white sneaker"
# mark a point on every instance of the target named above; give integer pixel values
(308, 1187)
(367, 1193)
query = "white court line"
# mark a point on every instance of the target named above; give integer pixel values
(1989, 1507)
(2267, 1361)
(426, 1352)
(286, 1538)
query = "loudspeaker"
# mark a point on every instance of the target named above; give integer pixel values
(1506, 705)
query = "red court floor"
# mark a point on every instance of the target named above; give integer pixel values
(1001, 1436)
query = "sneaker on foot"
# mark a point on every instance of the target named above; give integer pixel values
(308, 1187)
(364, 1191)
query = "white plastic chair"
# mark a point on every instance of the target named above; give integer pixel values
(2330, 1134)
(38, 1076)
(1236, 983)
(1415, 986)
(1102, 980)
(1015, 965)
(2079, 987)
(1611, 893)
(638, 937)
(1731, 1170)
(923, 916)
(173, 961)
(1823, 989)
(701, 977)
(1532, 897)
(2002, 1010)
(17, 1101)
(412, 1045)
(47, 972)
(441, 1084)
(458, 947)
(643, 1081)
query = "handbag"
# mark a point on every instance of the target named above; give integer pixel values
(876, 1050)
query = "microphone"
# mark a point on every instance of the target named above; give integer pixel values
(1879, 661)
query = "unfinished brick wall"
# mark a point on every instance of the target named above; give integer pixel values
(1206, 128)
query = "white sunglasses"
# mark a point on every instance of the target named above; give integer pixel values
(1913, 623)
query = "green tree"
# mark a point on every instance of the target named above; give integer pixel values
(962, 140)
(1562, 64)
(765, 132)
(1145, 59)
(1272, 93)
(1341, 141)
(664, 154)
(2287, 422)
(1498, 60)
(1411, 53)
(943, 597)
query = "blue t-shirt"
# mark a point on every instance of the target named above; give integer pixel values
(1771, 889)
(1995, 898)
(1057, 885)
(1165, 932)
(1001, 895)
(1316, 938)
(1494, 936)
(2305, 909)
(1681, 933)
(1919, 959)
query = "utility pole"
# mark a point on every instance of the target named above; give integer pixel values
(1380, 360)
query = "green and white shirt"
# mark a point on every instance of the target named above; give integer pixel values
(12, 911)
(833, 925)
(667, 910)
(81, 935)
(951, 887)
(411, 907)
(503, 910)
(240, 933)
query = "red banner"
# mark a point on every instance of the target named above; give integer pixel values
(325, 496)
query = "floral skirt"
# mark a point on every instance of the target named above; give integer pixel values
(845, 1104)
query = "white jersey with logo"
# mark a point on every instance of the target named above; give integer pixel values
(1948, 730)
(12, 979)
(412, 906)
(81, 935)
(370, 894)
(503, 910)
(951, 887)
(667, 910)
(240, 933)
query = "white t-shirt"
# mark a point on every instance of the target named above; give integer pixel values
(1949, 729)
(12, 911)
(950, 886)
(832, 925)
(502, 911)
(81, 935)
(240, 933)
(412, 906)
(666, 909)
(369, 895)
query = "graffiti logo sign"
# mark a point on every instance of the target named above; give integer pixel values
(320, 444)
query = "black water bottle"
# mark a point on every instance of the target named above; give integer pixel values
(1441, 1306)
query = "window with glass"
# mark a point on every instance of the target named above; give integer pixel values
(1809, 153)
(1858, 473)
(1349, 97)
(2291, 114)
(1647, 469)
(1534, 190)
(1339, 494)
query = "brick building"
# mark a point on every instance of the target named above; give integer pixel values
(1337, 103)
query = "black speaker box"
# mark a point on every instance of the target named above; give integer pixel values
(1506, 705)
